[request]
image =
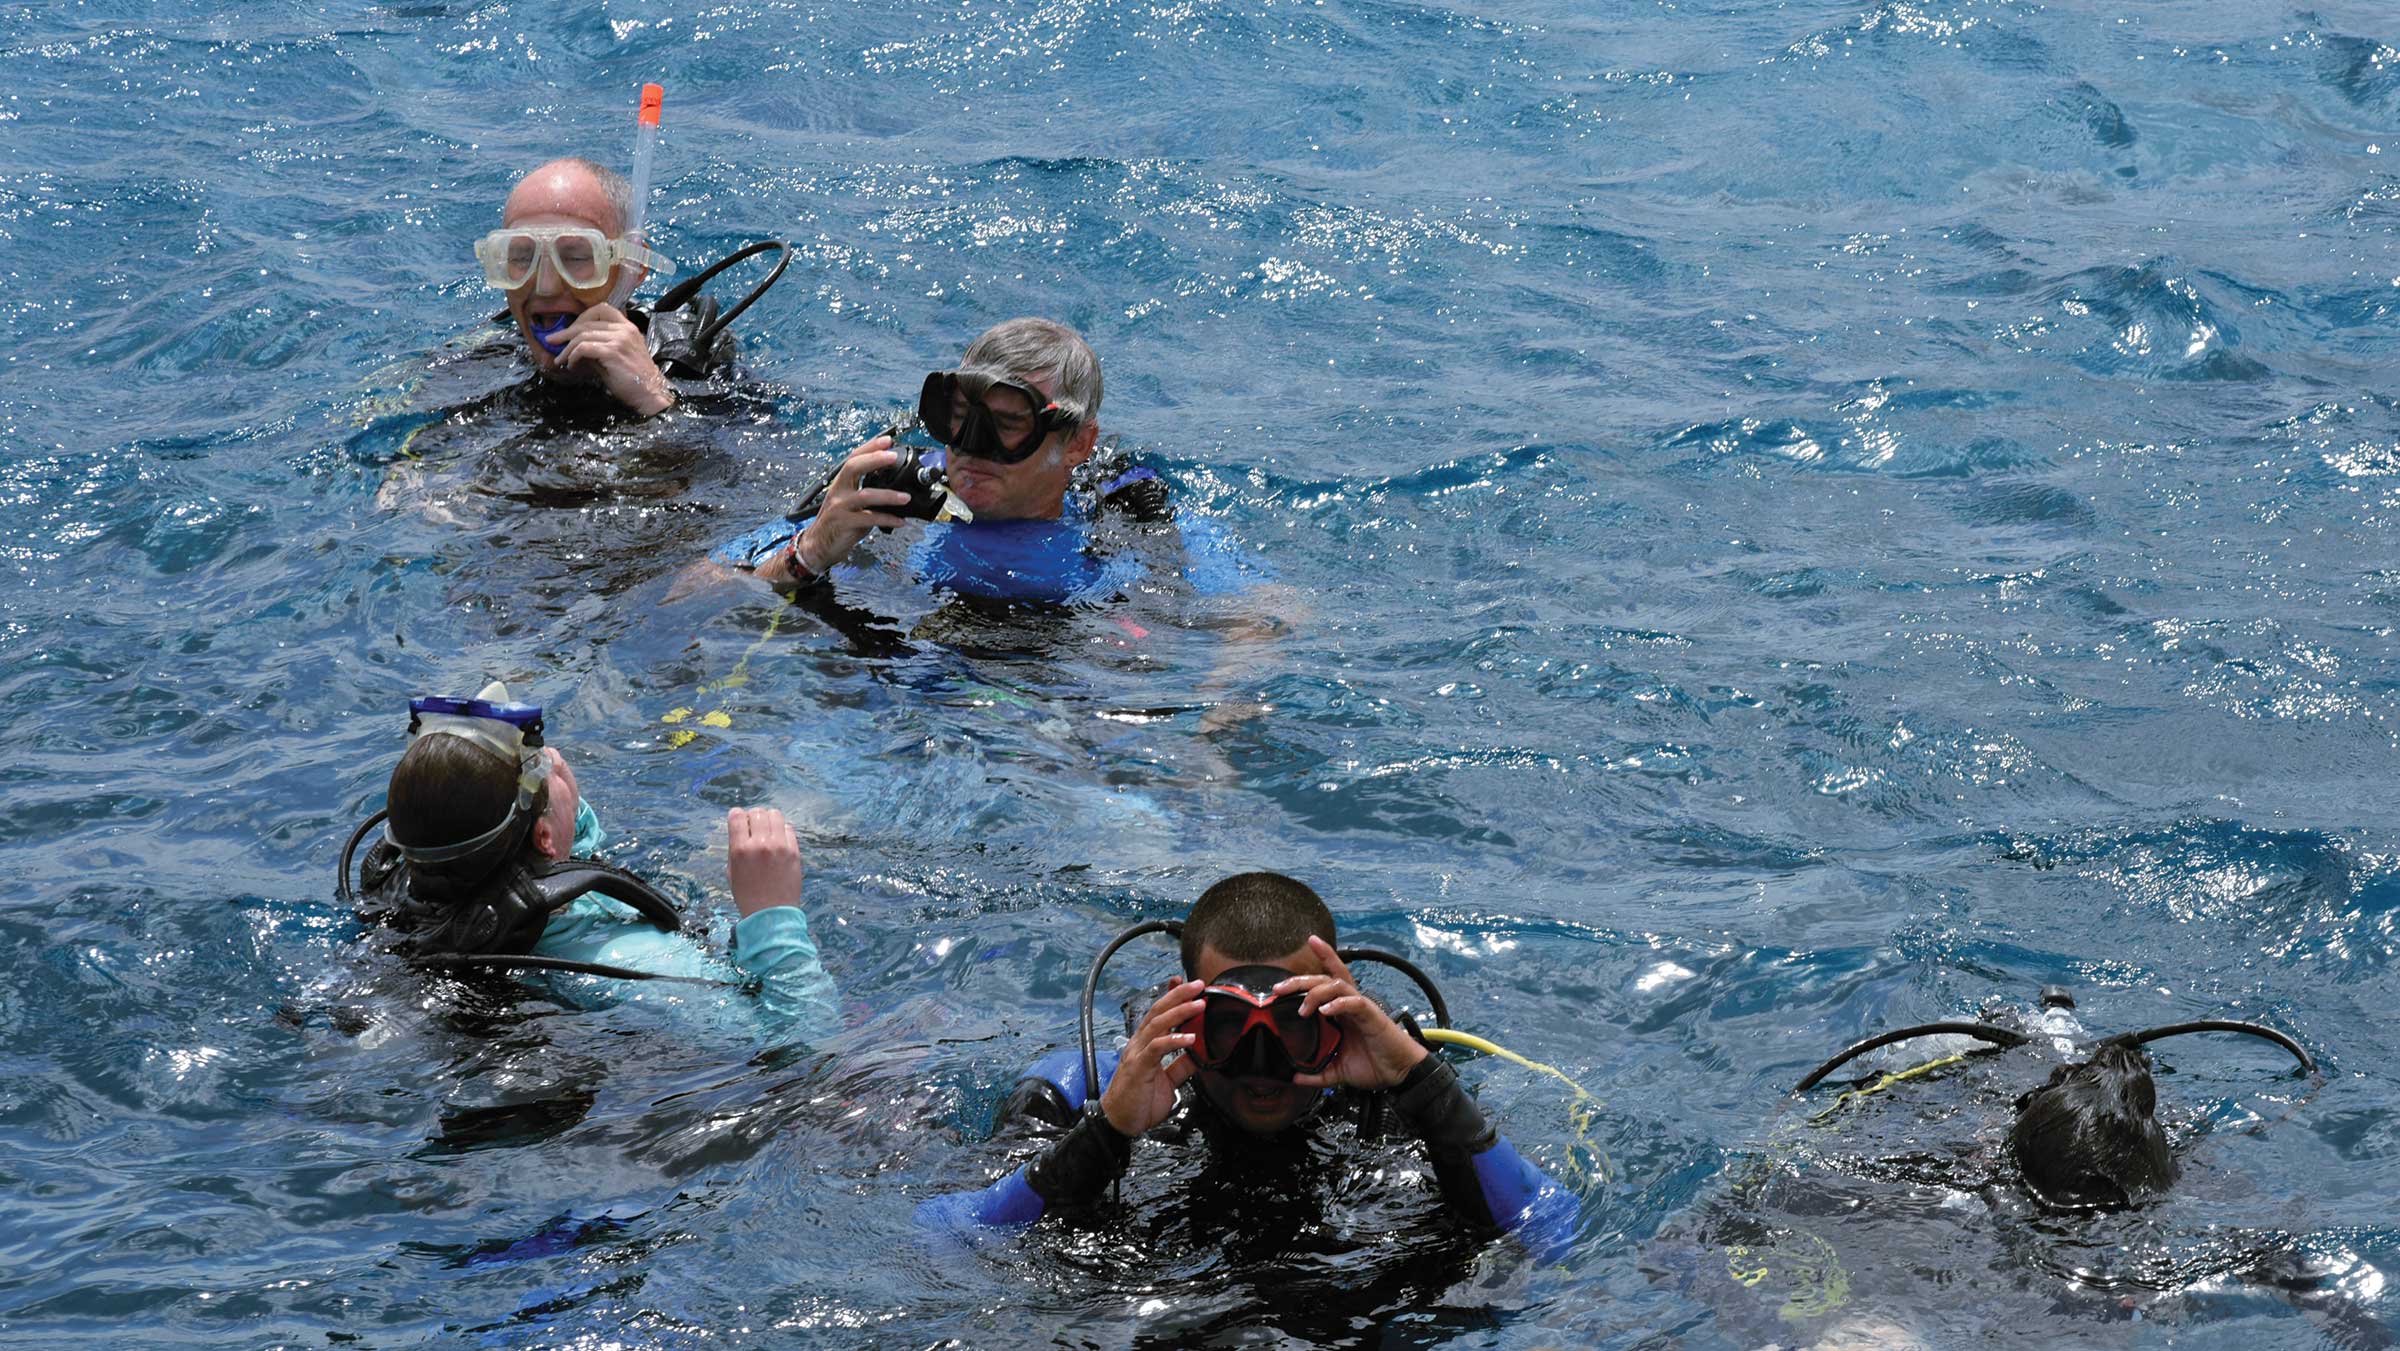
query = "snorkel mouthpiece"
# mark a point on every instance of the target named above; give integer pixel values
(548, 327)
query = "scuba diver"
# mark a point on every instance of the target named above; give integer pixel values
(1017, 496)
(486, 862)
(1265, 1040)
(571, 251)
(569, 254)
(2072, 1167)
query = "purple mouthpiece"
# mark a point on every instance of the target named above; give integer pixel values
(548, 327)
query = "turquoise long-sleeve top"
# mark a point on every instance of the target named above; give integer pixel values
(772, 948)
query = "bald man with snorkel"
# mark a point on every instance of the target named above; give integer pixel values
(563, 260)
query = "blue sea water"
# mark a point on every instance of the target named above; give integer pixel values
(1792, 518)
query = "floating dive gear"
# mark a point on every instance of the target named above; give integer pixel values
(2002, 1038)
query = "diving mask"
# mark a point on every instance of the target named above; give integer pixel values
(957, 407)
(583, 258)
(1245, 1029)
(510, 730)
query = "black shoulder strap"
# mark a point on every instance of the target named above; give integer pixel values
(1134, 491)
(688, 341)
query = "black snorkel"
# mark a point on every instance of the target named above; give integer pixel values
(1174, 928)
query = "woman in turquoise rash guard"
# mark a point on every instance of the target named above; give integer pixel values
(488, 856)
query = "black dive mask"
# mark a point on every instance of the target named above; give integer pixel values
(956, 408)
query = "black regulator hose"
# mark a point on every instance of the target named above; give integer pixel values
(682, 292)
(526, 962)
(2261, 1030)
(348, 894)
(1997, 1036)
(1091, 988)
(1441, 1006)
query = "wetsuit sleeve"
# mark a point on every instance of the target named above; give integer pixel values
(1073, 1171)
(1481, 1174)
(756, 547)
(775, 946)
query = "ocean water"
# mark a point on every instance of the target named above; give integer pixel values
(1790, 519)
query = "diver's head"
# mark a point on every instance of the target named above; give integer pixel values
(560, 247)
(2089, 1137)
(1053, 364)
(1242, 935)
(446, 790)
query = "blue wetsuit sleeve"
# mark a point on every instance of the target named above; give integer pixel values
(1210, 563)
(1072, 1170)
(1481, 1174)
(756, 547)
(1010, 1203)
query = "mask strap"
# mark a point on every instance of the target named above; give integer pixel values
(533, 770)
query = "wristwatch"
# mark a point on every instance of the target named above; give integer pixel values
(803, 576)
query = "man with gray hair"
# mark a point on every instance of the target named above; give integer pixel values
(1020, 424)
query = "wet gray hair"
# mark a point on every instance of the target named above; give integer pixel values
(1050, 350)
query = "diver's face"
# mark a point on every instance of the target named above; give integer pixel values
(1034, 488)
(564, 800)
(556, 195)
(1259, 1106)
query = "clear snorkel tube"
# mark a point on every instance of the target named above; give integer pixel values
(645, 149)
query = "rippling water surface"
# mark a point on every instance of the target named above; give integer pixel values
(1795, 518)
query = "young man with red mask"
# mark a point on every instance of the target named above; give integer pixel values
(1266, 1035)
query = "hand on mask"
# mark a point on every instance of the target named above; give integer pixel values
(1376, 1052)
(1142, 1092)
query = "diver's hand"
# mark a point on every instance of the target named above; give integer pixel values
(1376, 1052)
(846, 515)
(1142, 1091)
(603, 345)
(762, 860)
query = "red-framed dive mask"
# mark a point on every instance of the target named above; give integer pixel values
(1245, 1030)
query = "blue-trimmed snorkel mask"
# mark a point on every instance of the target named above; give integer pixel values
(510, 730)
